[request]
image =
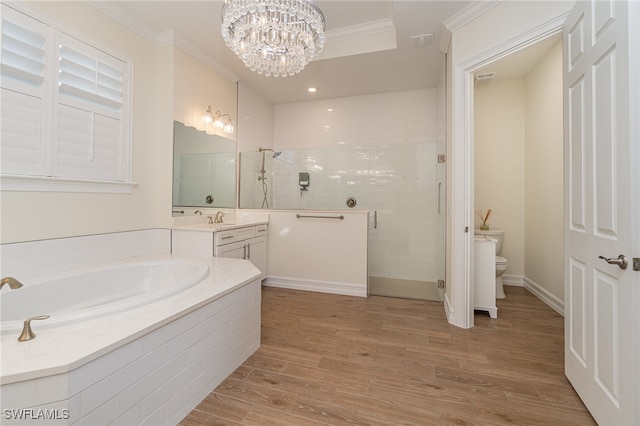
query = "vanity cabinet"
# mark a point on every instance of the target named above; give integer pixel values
(246, 242)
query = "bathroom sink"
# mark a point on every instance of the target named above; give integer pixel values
(224, 224)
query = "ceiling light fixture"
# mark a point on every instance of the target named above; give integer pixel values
(273, 37)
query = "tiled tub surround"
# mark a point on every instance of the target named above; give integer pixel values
(151, 364)
(26, 260)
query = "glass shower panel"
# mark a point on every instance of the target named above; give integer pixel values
(402, 253)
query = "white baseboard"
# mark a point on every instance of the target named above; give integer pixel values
(514, 280)
(348, 289)
(448, 310)
(542, 294)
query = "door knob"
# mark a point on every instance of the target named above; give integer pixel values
(620, 261)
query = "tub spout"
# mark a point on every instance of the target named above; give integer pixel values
(13, 283)
(27, 333)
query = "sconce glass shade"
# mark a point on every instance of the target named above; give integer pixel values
(218, 121)
(207, 117)
(273, 37)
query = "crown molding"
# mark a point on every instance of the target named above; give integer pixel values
(367, 37)
(161, 39)
(461, 19)
(360, 30)
(113, 10)
(205, 58)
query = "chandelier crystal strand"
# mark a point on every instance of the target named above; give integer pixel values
(273, 37)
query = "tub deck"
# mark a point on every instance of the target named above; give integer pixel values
(65, 348)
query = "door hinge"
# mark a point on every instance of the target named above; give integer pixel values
(440, 283)
(441, 158)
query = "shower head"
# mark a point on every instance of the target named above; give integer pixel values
(276, 154)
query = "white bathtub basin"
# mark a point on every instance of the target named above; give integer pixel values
(95, 292)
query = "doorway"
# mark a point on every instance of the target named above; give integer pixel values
(518, 164)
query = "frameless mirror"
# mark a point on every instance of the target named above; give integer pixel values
(204, 169)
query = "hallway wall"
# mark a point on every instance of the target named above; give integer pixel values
(499, 161)
(543, 180)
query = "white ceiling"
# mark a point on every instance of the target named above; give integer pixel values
(520, 63)
(195, 26)
(363, 25)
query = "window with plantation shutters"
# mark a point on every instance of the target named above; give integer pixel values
(65, 107)
(90, 96)
(22, 72)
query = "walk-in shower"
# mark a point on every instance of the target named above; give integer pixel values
(262, 177)
(397, 184)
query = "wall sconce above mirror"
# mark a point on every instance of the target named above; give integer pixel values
(204, 169)
(217, 120)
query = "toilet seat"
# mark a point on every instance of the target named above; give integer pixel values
(501, 260)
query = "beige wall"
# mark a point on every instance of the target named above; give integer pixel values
(28, 216)
(499, 149)
(197, 86)
(519, 170)
(544, 195)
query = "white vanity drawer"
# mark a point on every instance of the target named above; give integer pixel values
(261, 230)
(224, 237)
(237, 234)
(244, 233)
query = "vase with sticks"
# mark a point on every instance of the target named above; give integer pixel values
(484, 217)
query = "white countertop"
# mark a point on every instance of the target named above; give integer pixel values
(217, 227)
(62, 349)
(229, 221)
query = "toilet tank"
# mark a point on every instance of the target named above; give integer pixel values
(496, 234)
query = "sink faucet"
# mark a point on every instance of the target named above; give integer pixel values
(13, 283)
(219, 217)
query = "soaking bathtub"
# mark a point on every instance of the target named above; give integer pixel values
(94, 292)
(148, 350)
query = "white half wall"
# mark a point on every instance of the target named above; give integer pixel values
(318, 254)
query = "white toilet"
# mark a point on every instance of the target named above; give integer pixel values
(501, 262)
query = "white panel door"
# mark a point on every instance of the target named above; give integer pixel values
(602, 203)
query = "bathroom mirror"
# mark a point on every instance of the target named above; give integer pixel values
(204, 170)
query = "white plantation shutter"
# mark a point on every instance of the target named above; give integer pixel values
(88, 145)
(64, 108)
(23, 150)
(90, 122)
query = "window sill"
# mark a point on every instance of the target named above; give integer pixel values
(54, 184)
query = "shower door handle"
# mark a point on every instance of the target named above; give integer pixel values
(375, 219)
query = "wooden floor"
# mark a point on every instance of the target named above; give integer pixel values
(328, 359)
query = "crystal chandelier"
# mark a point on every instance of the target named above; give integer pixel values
(273, 37)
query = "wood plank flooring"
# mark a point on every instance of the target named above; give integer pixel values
(329, 359)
